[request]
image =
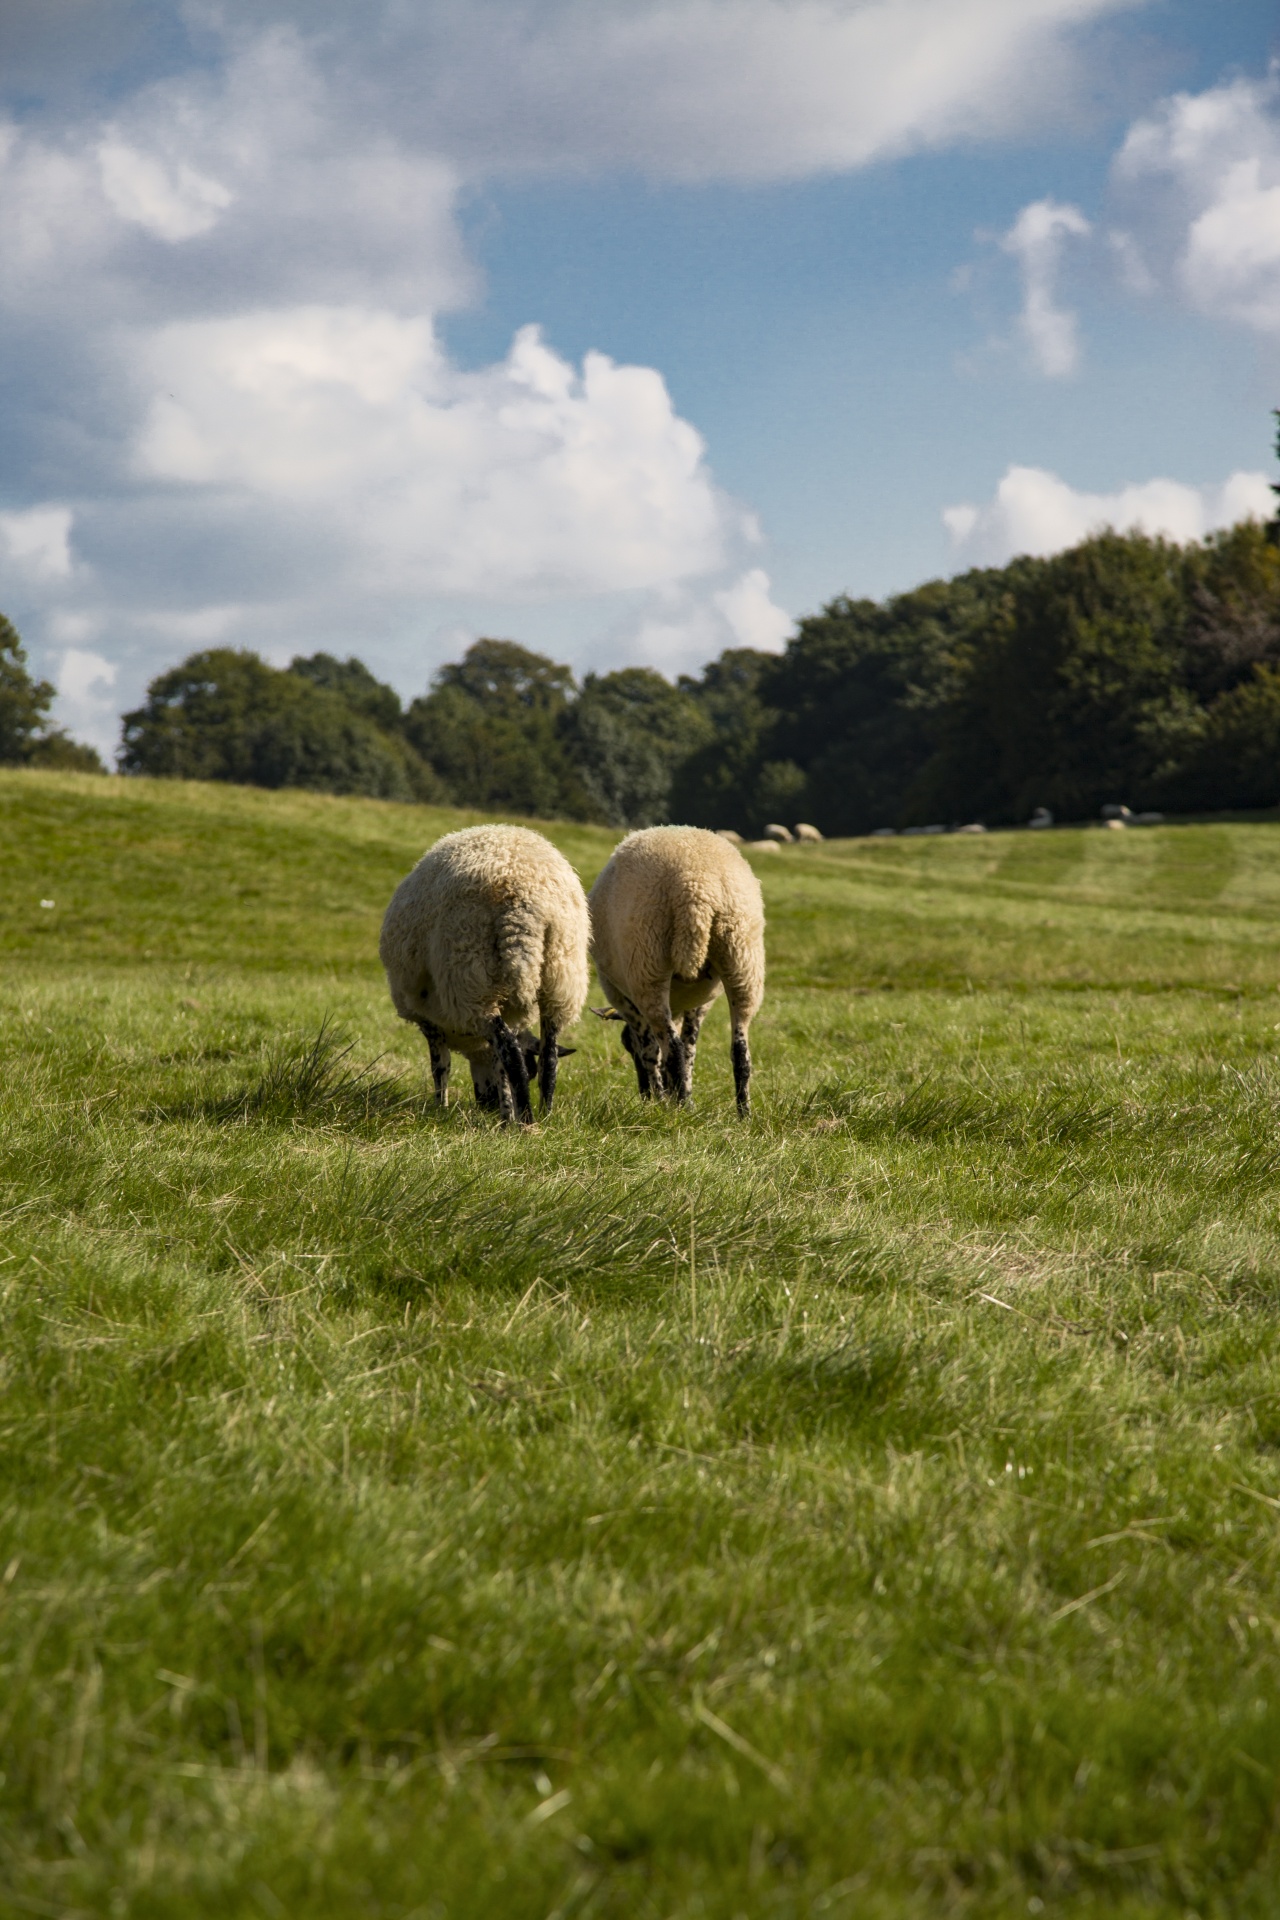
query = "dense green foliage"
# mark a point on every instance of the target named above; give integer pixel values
(1126, 670)
(26, 737)
(869, 1511)
(226, 715)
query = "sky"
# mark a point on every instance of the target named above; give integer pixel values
(628, 329)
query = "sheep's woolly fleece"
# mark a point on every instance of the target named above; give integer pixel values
(677, 911)
(491, 922)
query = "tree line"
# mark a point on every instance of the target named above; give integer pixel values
(1128, 669)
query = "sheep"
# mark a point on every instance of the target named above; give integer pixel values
(805, 832)
(487, 934)
(675, 914)
(776, 831)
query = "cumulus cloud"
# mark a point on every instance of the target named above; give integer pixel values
(1035, 512)
(85, 705)
(751, 615)
(1203, 172)
(35, 543)
(692, 626)
(529, 477)
(1036, 241)
(222, 292)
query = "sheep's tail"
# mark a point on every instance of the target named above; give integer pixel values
(692, 925)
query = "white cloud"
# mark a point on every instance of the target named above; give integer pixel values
(690, 626)
(525, 478)
(85, 705)
(172, 204)
(1204, 172)
(753, 619)
(1035, 512)
(222, 290)
(36, 543)
(1036, 241)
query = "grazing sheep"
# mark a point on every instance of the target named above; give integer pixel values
(675, 915)
(485, 936)
(805, 832)
(728, 833)
(776, 831)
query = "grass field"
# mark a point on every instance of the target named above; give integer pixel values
(870, 1510)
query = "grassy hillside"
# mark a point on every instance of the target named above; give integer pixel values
(870, 1510)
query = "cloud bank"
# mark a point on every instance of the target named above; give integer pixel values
(1205, 171)
(1037, 513)
(228, 246)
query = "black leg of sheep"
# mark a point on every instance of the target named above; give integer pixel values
(690, 1028)
(515, 1074)
(742, 1070)
(548, 1062)
(676, 1067)
(644, 1079)
(441, 1059)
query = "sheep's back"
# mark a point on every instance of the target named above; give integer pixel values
(672, 900)
(492, 919)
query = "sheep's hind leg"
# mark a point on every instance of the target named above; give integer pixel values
(741, 1068)
(548, 1061)
(677, 1067)
(514, 1075)
(690, 1028)
(441, 1059)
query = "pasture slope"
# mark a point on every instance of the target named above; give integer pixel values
(872, 1510)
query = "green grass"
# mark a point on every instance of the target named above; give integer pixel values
(872, 1510)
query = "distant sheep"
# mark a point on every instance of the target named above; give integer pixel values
(675, 915)
(805, 832)
(487, 935)
(776, 831)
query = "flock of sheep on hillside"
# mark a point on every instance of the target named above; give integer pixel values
(491, 933)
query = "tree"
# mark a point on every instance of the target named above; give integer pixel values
(1233, 613)
(1235, 761)
(1074, 694)
(715, 785)
(26, 737)
(226, 715)
(626, 734)
(353, 681)
(488, 727)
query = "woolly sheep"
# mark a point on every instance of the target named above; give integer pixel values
(485, 936)
(776, 831)
(675, 915)
(805, 832)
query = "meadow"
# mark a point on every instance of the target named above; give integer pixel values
(869, 1510)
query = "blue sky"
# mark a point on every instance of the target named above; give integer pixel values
(631, 330)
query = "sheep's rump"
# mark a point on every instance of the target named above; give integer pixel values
(679, 909)
(492, 921)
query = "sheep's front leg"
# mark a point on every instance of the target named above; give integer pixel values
(513, 1087)
(741, 1067)
(647, 1051)
(644, 1079)
(488, 1080)
(441, 1059)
